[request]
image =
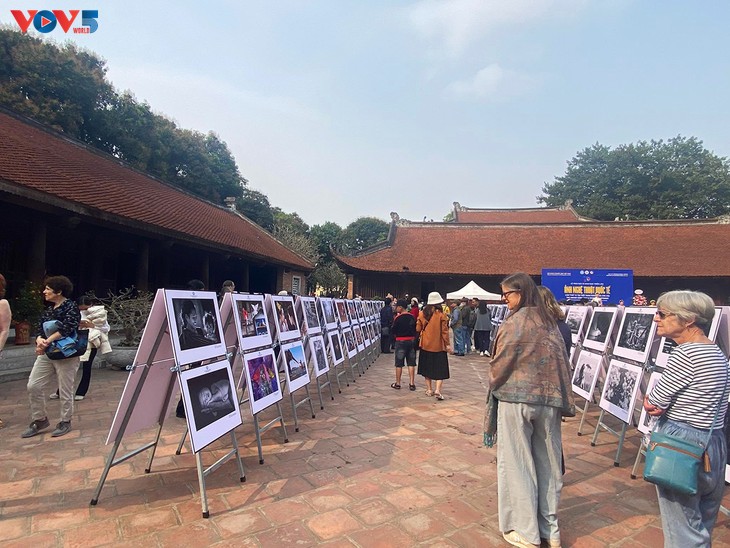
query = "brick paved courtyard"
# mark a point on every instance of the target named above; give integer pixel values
(376, 467)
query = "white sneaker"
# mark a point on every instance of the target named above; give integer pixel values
(77, 397)
(53, 396)
(481, 353)
(515, 539)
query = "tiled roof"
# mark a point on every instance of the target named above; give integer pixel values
(669, 248)
(71, 175)
(537, 215)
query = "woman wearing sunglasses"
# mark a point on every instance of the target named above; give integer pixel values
(692, 392)
(529, 386)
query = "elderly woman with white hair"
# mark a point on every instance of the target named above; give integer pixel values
(690, 399)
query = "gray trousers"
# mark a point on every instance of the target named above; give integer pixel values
(44, 370)
(529, 475)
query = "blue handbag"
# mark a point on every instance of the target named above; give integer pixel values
(65, 347)
(674, 463)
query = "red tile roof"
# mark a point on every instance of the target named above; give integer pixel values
(70, 174)
(649, 248)
(536, 215)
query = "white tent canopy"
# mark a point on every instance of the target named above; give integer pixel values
(472, 290)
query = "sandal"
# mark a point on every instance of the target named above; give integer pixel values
(396, 386)
(438, 396)
(412, 387)
(429, 393)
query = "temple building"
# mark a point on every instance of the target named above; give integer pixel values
(67, 208)
(485, 245)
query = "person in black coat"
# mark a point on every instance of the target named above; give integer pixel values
(386, 323)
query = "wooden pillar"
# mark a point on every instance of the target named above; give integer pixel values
(143, 266)
(243, 281)
(350, 286)
(205, 272)
(37, 255)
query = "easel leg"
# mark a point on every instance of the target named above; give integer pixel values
(238, 456)
(621, 437)
(258, 437)
(201, 482)
(105, 473)
(281, 420)
(598, 427)
(182, 441)
(294, 412)
(583, 417)
(309, 397)
(642, 449)
(148, 469)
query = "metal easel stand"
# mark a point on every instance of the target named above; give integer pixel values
(261, 429)
(294, 406)
(355, 365)
(325, 384)
(202, 473)
(621, 435)
(584, 411)
(642, 451)
(344, 367)
(111, 460)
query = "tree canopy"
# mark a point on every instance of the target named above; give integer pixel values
(66, 88)
(676, 179)
(363, 233)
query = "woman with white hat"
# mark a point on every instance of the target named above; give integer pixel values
(433, 361)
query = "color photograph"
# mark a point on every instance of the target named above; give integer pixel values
(318, 355)
(295, 365)
(286, 319)
(262, 379)
(328, 311)
(251, 321)
(338, 355)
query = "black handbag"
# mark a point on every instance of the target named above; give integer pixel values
(69, 347)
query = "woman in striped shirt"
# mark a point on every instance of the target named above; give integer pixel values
(687, 398)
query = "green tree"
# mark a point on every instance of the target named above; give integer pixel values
(255, 205)
(325, 236)
(328, 278)
(296, 241)
(363, 233)
(676, 179)
(290, 221)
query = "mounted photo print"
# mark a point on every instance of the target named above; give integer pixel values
(285, 318)
(251, 321)
(586, 374)
(636, 334)
(663, 351)
(600, 329)
(360, 310)
(328, 311)
(318, 355)
(646, 421)
(336, 350)
(622, 385)
(576, 319)
(351, 310)
(262, 379)
(310, 320)
(195, 325)
(295, 365)
(211, 405)
(349, 342)
(341, 309)
(359, 339)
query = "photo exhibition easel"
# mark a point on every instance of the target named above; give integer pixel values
(146, 398)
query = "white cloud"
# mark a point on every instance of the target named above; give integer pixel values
(492, 83)
(456, 24)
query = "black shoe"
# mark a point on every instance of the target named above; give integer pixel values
(35, 428)
(62, 428)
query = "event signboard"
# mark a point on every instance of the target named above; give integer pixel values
(572, 285)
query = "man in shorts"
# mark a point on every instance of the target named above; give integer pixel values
(404, 336)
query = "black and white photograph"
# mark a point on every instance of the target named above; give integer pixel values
(285, 317)
(318, 355)
(211, 405)
(251, 321)
(328, 311)
(262, 379)
(338, 354)
(636, 334)
(622, 384)
(310, 320)
(359, 339)
(195, 325)
(663, 351)
(576, 319)
(600, 328)
(360, 310)
(646, 421)
(586, 374)
(350, 342)
(295, 365)
(341, 308)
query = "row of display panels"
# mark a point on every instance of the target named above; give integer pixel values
(630, 330)
(196, 334)
(194, 320)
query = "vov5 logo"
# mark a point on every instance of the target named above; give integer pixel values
(47, 20)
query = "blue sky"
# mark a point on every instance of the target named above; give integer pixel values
(338, 109)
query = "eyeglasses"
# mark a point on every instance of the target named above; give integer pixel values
(508, 293)
(663, 314)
